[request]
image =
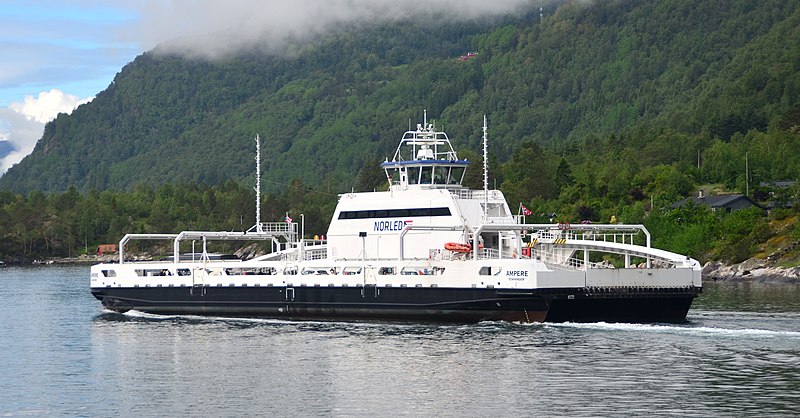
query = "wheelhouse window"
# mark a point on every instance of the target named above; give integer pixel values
(440, 175)
(426, 176)
(456, 175)
(413, 175)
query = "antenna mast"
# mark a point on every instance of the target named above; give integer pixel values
(485, 170)
(258, 184)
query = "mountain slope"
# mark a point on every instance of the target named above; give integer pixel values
(326, 107)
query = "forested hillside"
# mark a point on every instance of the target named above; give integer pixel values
(605, 108)
(643, 71)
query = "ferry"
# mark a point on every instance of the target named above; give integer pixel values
(425, 249)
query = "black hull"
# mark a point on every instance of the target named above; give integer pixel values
(370, 302)
(404, 303)
(633, 305)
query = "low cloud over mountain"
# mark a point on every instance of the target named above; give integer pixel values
(21, 124)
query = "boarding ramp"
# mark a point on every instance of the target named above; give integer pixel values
(558, 244)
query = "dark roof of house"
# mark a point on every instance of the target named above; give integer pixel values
(716, 201)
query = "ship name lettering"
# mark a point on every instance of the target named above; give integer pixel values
(517, 273)
(389, 225)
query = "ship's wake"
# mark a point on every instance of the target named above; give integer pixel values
(698, 324)
(688, 329)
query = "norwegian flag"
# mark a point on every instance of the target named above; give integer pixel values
(288, 219)
(525, 211)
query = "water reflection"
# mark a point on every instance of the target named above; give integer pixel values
(747, 296)
(737, 355)
(721, 362)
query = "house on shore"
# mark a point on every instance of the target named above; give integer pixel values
(723, 202)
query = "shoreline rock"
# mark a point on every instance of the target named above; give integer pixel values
(752, 270)
(83, 259)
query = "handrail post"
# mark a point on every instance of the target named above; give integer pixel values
(475, 241)
(122, 248)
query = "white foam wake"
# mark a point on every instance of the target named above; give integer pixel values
(274, 321)
(679, 329)
(139, 314)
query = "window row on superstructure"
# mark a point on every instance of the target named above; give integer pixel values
(394, 213)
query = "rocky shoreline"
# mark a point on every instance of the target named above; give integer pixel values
(82, 259)
(752, 270)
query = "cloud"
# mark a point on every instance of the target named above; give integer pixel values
(212, 29)
(22, 124)
(48, 105)
(20, 133)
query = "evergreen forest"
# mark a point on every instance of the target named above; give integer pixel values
(602, 109)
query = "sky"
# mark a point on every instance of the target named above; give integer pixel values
(58, 54)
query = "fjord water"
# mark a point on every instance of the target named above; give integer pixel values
(61, 354)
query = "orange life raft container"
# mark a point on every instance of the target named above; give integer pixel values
(457, 247)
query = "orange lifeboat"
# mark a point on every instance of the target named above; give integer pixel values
(457, 247)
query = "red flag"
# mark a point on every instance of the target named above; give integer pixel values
(525, 211)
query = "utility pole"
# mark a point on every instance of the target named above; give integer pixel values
(746, 176)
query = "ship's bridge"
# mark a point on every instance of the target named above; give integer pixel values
(425, 159)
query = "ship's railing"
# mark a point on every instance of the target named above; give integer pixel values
(622, 237)
(496, 254)
(623, 234)
(566, 256)
(575, 263)
(311, 243)
(557, 262)
(264, 231)
(275, 228)
(440, 254)
(489, 253)
(476, 194)
(559, 250)
(548, 259)
(505, 220)
(316, 254)
(310, 250)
